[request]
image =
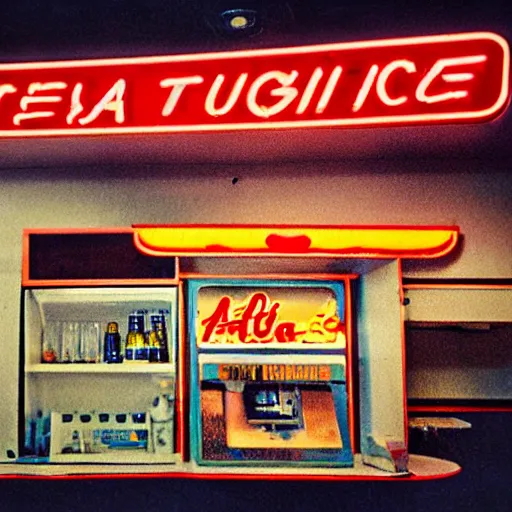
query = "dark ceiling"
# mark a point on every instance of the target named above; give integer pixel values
(38, 29)
(65, 29)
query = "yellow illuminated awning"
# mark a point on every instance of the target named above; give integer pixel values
(300, 241)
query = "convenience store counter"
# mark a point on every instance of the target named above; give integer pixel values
(420, 468)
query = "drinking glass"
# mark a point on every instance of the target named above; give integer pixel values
(90, 342)
(71, 342)
(51, 343)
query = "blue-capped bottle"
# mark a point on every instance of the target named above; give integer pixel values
(112, 346)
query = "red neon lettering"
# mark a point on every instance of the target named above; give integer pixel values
(76, 106)
(7, 89)
(365, 88)
(458, 77)
(178, 86)
(287, 93)
(437, 69)
(30, 98)
(112, 101)
(309, 91)
(328, 90)
(408, 66)
(232, 99)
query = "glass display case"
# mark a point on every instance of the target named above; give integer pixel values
(100, 372)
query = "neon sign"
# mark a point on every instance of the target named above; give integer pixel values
(434, 79)
(318, 241)
(256, 321)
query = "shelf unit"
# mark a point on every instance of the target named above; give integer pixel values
(104, 368)
(457, 339)
(98, 387)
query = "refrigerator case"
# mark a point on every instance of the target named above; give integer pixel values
(268, 373)
(76, 406)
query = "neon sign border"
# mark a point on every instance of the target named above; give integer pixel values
(321, 123)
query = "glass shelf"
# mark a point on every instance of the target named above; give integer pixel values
(137, 368)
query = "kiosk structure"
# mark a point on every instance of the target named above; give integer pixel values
(219, 351)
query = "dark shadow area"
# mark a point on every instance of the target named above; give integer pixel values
(71, 27)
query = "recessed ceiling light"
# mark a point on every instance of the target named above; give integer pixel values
(240, 20)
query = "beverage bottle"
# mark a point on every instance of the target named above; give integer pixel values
(147, 336)
(164, 337)
(136, 344)
(159, 351)
(154, 342)
(112, 345)
(162, 419)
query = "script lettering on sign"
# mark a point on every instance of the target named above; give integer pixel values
(433, 79)
(256, 320)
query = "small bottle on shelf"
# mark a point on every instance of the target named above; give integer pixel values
(136, 341)
(158, 350)
(112, 345)
(154, 343)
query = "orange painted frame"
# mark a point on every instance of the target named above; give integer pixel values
(350, 361)
(457, 408)
(55, 283)
(446, 286)
(346, 278)
(242, 476)
(459, 286)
